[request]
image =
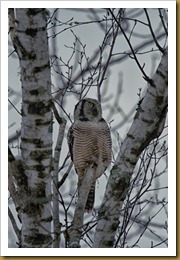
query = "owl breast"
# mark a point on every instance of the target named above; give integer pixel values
(91, 145)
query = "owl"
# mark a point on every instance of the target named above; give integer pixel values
(89, 141)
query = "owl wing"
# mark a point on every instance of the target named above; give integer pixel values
(70, 139)
(105, 142)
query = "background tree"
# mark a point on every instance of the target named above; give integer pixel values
(30, 177)
(139, 164)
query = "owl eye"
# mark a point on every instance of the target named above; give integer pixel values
(91, 104)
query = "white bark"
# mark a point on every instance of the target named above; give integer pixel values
(56, 220)
(29, 37)
(77, 223)
(148, 124)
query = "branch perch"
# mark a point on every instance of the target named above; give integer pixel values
(75, 231)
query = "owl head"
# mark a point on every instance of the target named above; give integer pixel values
(88, 109)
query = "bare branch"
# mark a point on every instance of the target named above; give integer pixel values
(162, 20)
(77, 223)
(132, 49)
(152, 32)
(14, 224)
(56, 222)
(151, 125)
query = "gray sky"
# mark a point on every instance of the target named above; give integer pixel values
(127, 72)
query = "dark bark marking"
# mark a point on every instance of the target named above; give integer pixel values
(40, 68)
(130, 136)
(159, 100)
(32, 32)
(40, 168)
(41, 173)
(34, 11)
(149, 122)
(108, 244)
(31, 208)
(34, 92)
(39, 108)
(40, 155)
(161, 74)
(37, 141)
(38, 239)
(40, 122)
(40, 192)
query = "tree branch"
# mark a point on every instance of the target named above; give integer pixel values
(162, 20)
(152, 32)
(16, 175)
(115, 33)
(132, 49)
(15, 227)
(75, 231)
(148, 124)
(56, 222)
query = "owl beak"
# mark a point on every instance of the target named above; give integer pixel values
(95, 111)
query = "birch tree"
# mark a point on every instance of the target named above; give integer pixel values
(30, 179)
(148, 124)
(42, 184)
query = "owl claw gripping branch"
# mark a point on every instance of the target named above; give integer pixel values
(89, 141)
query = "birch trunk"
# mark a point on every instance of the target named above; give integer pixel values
(29, 37)
(148, 124)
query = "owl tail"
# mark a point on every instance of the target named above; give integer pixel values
(90, 199)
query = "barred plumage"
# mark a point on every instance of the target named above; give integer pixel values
(89, 142)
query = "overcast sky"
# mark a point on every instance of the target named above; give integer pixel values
(123, 74)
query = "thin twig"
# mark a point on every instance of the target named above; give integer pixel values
(14, 224)
(60, 183)
(152, 32)
(14, 107)
(108, 60)
(132, 50)
(162, 20)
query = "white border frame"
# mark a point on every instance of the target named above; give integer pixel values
(171, 250)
